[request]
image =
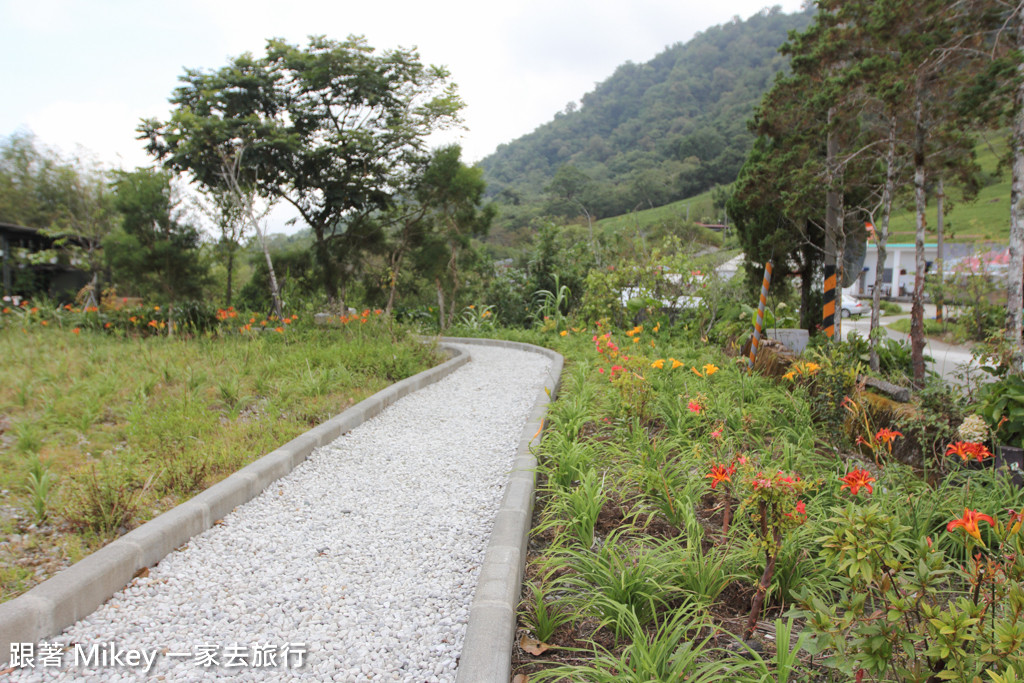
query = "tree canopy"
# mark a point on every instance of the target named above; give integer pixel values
(330, 129)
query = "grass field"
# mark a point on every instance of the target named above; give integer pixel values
(99, 432)
(985, 219)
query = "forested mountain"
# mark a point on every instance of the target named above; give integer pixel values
(651, 133)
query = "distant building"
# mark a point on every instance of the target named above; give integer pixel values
(33, 265)
(899, 267)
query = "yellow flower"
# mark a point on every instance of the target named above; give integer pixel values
(790, 375)
(652, 343)
(636, 340)
(563, 333)
(812, 368)
(696, 371)
(710, 369)
(659, 364)
(657, 327)
(676, 363)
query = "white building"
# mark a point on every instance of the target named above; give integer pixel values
(898, 273)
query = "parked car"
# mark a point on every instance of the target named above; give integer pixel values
(851, 305)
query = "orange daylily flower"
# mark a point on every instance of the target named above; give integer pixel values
(676, 363)
(969, 522)
(969, 449)
(856, 480)
(720, 473)
(659, 364)
(886, 436)
(710, 369)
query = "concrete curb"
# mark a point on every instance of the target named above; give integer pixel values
(490, 635)
(53, 605)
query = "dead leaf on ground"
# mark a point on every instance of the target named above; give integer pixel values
(533, 646)
(521, 678)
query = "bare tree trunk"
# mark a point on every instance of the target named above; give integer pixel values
(453, 267)
(230, 172)
(1015, 270)
(440, 302)
(920, 202)
(275, 291)
(396, 264)
(231, 268)
(881, 238)
(940, 199)
(808, 319)
(590, 227)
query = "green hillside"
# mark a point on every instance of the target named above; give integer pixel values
(652, 133)
(985, 219)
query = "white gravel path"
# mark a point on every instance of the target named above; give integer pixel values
(363, 560)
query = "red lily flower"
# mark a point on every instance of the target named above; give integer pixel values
(856, 480)
(719, 473)
(887, 436)
(968, 449)
(969, 522)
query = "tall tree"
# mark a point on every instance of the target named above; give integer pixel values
(329, 125)
(154, 253)
(454, 196)
(572, 186)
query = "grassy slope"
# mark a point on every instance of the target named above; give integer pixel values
(986, 219)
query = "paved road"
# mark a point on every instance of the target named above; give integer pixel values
(949, 358)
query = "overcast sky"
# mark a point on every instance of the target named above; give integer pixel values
(83, 72)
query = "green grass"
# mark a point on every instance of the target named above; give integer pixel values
(128, 427)
(701, 209)
(985, 219)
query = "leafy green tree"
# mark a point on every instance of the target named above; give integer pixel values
(777, 202)
(328, 128)
(453, 194)
(154, 253)
(574, 188)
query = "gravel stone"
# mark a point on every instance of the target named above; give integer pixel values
(364, 558)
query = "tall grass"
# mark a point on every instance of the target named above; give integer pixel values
(129, 426)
